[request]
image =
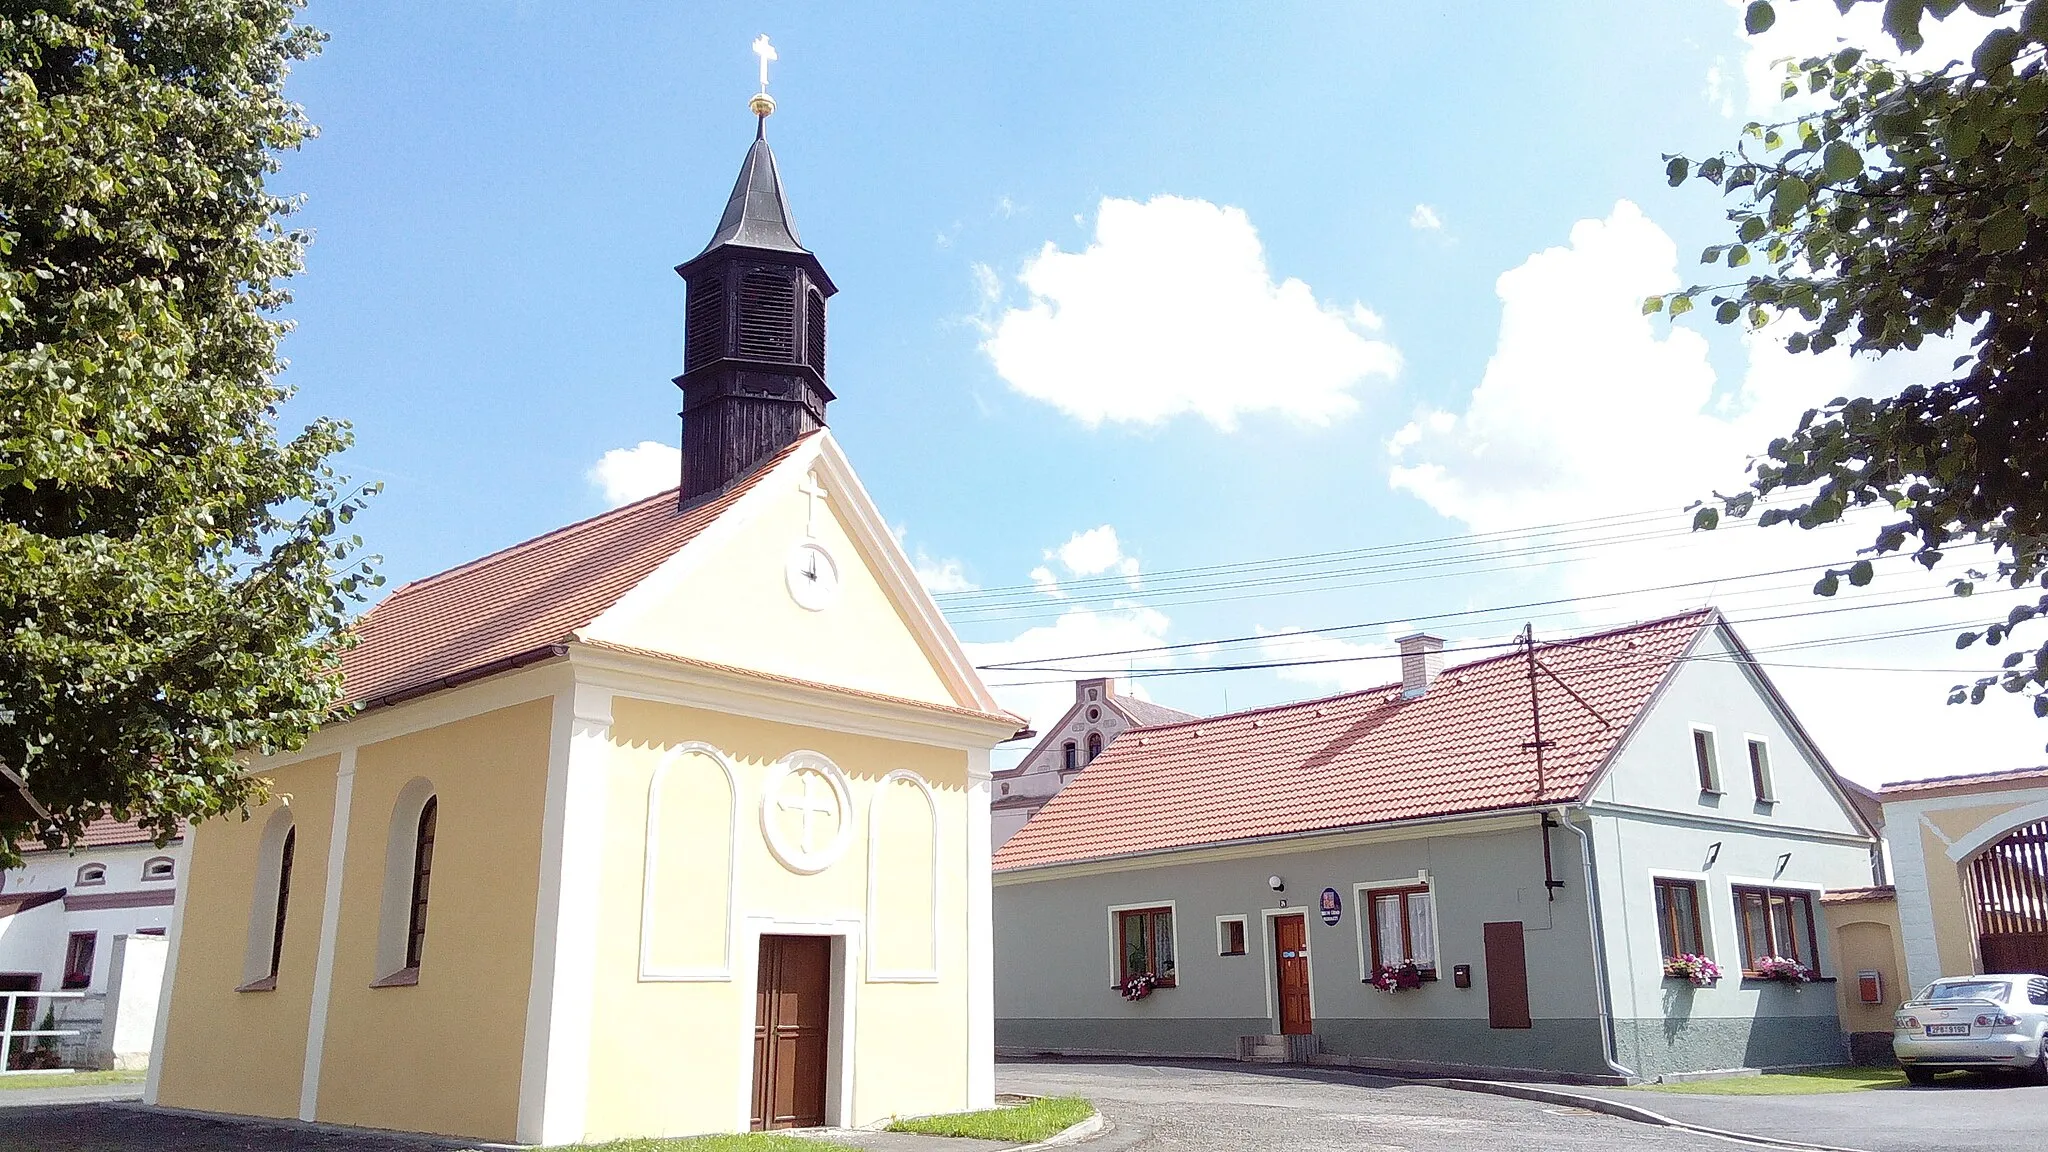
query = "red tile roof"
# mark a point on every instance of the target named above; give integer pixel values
(1364, 757)
(1975, 782)
(513, 606)
(106, 832)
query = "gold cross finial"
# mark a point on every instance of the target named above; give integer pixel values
(762, 103)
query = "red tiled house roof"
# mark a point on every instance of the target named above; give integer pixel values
(1364, 757)
(105, 832)
(515, 606)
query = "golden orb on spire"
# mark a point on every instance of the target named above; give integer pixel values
(762, 103)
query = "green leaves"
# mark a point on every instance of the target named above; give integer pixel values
(1840, 162)
(1759, 18)
(1676, 170)
(174, 587)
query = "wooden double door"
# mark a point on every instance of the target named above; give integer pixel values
(792, 1031)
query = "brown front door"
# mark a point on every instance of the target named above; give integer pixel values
(1290, 951)
(792, 1023)
(1507, 976)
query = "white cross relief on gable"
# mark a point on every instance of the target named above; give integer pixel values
(806, 812)
(814, 496)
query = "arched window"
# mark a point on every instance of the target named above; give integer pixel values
(284, 899)
(1094, 745)
(422, 868)
(159, 868)
(268, 899)
(91, 874)
(1070, 756)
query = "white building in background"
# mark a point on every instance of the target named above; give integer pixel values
(91, 920)
(1100, 714)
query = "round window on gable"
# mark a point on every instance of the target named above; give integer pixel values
(1094, 714)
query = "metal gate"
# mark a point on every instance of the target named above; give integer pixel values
(2009, 892)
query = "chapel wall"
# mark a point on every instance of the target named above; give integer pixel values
(672, 1047)
(245, 1052)
(444, 1055)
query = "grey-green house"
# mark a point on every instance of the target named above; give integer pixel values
(1265, 873)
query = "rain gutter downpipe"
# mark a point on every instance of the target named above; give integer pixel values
(1602, 991)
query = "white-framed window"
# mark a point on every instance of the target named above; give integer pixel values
(1230, 935)
(1706, 759)
(1397, 924)
(1685, 922)
(159, 868)
(1760, 769)
(91, 874)
(1141, 940)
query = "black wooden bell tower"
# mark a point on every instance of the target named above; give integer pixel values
(753, 335)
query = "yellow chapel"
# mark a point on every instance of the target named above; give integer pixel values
(673, 820)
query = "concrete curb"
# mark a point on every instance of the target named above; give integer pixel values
(1086, 1130)
(1623, 1111)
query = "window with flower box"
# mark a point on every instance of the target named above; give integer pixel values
(1678, 917)
(1402, 928)
(1144, 944)
(1776, 922)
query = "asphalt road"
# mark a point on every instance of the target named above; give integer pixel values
(1222, 1106)
(1958, 1114)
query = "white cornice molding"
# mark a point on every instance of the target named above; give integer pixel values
(1725, 823)
(533, 682)
(651, 677)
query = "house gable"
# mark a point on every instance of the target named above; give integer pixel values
(1717, 690)
(726, 597)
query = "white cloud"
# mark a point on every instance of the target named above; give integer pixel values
(1043, 578)
(1364, 665)
(1720, 93)
(941, 576)
(1589, 408)
(1425, 219)
(1096, 551)
(1171, 310)
(624, 475)
(1815, 27)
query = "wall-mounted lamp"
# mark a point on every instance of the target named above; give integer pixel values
(1276, 884)
(1713, 854)
(1782, 862)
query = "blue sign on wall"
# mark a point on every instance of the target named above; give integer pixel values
(1333, 907)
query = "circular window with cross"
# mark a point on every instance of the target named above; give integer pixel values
(806, 812)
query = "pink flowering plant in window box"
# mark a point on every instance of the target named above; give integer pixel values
(1398, 977)
(1700, 970)
(1138, 986)
(1782, 969)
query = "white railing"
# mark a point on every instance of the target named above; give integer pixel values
(9, 1033)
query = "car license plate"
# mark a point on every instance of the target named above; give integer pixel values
(1948, 1029)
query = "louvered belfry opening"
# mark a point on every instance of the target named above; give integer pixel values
(753, 336)
(2009, 900)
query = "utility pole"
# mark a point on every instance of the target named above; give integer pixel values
(1550, 881)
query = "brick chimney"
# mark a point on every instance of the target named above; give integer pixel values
(1422, 657)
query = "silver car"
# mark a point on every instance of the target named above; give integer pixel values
(1985, 1023)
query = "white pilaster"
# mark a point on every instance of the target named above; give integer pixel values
(330, 921)
(555, 1073)
(981, 985)
(1915, 905)
(170, 988)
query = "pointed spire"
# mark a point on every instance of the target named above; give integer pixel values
(757, 214)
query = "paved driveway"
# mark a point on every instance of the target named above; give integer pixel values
(1229, 1106)
(1967, 1114)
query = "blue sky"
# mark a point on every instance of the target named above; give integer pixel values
(1257, 283)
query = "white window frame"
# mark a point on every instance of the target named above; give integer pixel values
(1769, 792)
(98, 877)
(1703, 886)
(1362, 902)
(1116, 971)
(1714, 773)
(170, 869)
(1223, 942)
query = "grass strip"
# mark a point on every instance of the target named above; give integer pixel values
(1814, 1082)
(743, 1142)
(1023, 1124)
(70, 1079)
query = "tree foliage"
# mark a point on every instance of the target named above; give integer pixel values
(1906, 206)
(175, 578)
